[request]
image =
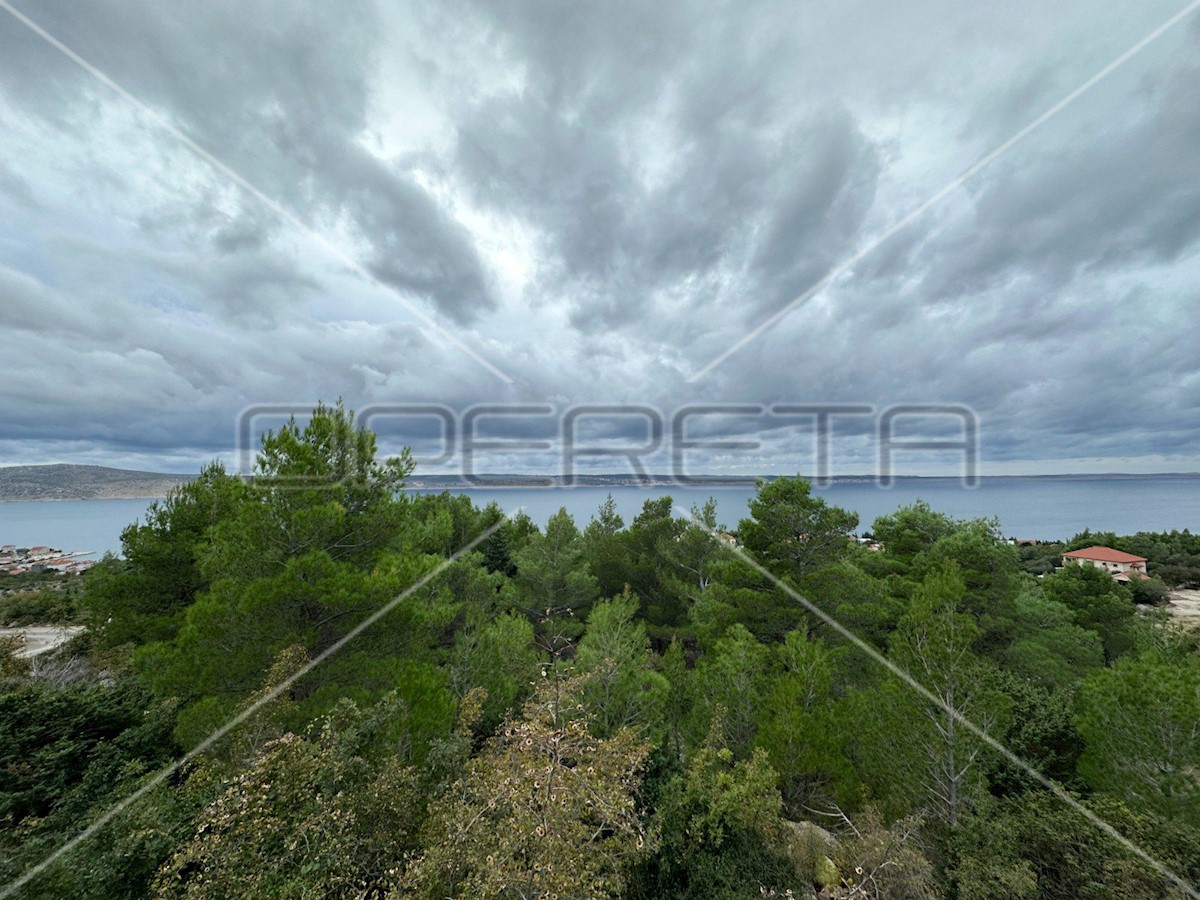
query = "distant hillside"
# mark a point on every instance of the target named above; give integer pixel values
(64, 482)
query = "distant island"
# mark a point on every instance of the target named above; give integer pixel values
(69, 482)
(618, 479)
(72, 482)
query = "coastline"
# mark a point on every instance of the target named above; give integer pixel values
(509, 481)
(82, 499)
(1042, 508)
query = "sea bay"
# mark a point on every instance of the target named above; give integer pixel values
(1045, 508)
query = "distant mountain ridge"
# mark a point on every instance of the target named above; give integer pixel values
(501, 480)
(72, 482)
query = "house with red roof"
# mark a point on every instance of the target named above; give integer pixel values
(1122, 566)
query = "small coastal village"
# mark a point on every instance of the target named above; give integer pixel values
(16, 560)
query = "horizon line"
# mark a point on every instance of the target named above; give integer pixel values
(665, 477)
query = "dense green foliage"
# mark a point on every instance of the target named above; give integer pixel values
(39, 598)
(613, 710)
(48, 605)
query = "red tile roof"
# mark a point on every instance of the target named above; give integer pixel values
(1105, 554)
(1132, 573)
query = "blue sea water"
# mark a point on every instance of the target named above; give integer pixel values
(1046, 508)
(82, 525)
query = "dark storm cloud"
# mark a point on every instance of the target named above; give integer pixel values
(1117, 197)
(750, 181)
(280, 94)
(600, 198)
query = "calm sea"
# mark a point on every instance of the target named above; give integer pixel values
(1046, 508)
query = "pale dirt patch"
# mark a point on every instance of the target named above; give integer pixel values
(40, 638)
(1185, 607)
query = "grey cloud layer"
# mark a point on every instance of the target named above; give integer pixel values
(599, 198)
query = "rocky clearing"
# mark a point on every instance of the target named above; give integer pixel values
(1185, 606)
(40, 638)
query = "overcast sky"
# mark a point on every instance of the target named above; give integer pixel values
(598, 199)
